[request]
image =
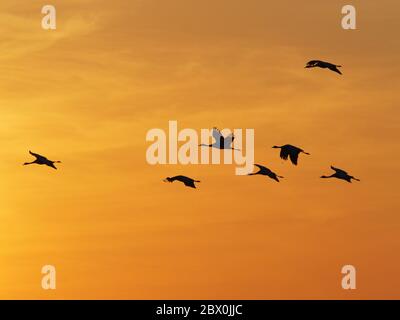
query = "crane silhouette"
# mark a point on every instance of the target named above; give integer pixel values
(188, 182)
(221, 142)
(265, 172)
(290, 151)
(323, 65)
(41, 160)
(340, 174)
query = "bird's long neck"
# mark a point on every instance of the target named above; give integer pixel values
(205, 145)
(327, 177)
(27, 163)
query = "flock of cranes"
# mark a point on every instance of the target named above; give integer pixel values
(287, 151)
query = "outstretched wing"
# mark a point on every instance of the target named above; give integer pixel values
(38, 156)
(259, 166)
(216, 134)
(229, 140)
(294, 156)
(263, 169)
(274, 176)
(339, 170)
(51, 164)
(190, 183)
(334, 69)
(284, 153)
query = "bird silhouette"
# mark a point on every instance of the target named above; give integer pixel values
(290, 151)
(188, 182)
(42, 161)
(265, 172)
(221, 142)
(340, 174)
(323, 65)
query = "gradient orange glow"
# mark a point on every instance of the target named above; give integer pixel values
(87, 94)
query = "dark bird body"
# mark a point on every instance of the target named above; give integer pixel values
(323, 65)
(289, 151)
(265, 172)
(221, 142)
(41, 160)
(188, 182)
(340, 174)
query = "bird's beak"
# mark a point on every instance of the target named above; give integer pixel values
(165, 180)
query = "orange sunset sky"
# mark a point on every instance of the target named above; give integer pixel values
(88, 92)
